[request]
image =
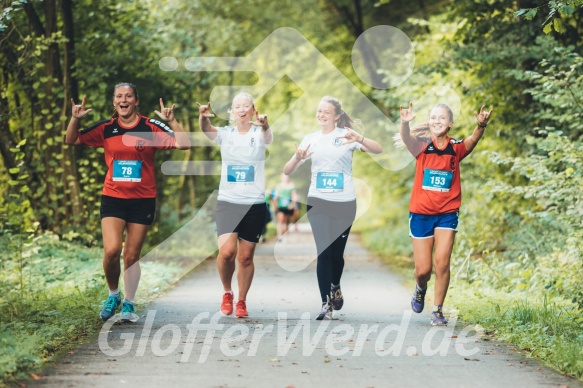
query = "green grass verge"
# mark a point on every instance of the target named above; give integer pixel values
(551, 331)
(50, 297)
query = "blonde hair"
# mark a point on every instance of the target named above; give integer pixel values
(230, 110)
(421, 131)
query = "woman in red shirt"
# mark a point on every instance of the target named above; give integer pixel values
(128, 200)
(435, 198)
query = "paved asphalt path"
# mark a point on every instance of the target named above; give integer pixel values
(374, 341)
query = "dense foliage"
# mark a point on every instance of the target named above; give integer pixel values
(521, 220)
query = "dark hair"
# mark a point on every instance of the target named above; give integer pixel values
(129, 85)
(344, 120)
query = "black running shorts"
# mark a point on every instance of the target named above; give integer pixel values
(134, 211)
(245, 220)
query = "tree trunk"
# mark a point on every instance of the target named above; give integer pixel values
(424, 13)
(54, 75)
(73, 202)
(6, 141)
(355, 23)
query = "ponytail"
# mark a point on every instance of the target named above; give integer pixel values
(344, 120)
(419, 131)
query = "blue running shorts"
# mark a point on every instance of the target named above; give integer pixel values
(423, 226)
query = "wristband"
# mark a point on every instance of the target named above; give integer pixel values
(482, 125)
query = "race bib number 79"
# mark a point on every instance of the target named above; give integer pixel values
(237, 173)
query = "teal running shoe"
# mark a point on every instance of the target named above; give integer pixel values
(109, 306)
(128, 312)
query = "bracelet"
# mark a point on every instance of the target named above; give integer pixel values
(362, 140)
(482, 125)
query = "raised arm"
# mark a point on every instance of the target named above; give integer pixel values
(407, 116)
(78, 112)
(483, 117)
(292, 165)
(167, 114)
(265, 130)
(205, 122)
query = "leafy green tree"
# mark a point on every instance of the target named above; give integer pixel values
(560, 15)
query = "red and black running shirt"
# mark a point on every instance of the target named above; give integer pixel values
(129, 158)
(437, 188)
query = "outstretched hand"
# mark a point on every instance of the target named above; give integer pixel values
(484, 116)
(407, 114)
(303, 153)
(166, 114)
(205, 110)
(261, 121)
(79, 111)
(351, 136)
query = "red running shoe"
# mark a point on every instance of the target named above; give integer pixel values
(241, 309)
(227, 305)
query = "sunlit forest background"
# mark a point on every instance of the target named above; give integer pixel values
(521, 237)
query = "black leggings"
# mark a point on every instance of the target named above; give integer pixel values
(331, 223)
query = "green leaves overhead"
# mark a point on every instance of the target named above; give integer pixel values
(559, 13)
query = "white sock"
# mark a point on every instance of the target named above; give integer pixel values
(437, 308)
(114, 292)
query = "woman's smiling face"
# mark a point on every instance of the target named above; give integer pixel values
(439, 121)
(326, 115)
(242, 109)
(125, 102)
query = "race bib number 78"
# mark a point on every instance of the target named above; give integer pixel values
(127, 171)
